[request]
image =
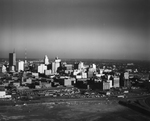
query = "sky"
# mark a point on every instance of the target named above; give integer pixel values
(92, 29)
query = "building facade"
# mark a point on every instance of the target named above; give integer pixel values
(12, 59)
(55, 65)
(46, 60)
(20, 66)
(42, 68)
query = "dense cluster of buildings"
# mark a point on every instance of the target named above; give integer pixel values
(25, 74)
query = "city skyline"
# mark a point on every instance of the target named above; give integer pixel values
(88, 29)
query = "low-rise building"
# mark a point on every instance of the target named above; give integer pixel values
(48, 72)
(36, 75)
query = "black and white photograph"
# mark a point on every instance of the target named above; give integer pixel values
(74, 60)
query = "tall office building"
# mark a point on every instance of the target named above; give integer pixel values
(12, 59)
(46, 60)
(55, 65)
(20, 66)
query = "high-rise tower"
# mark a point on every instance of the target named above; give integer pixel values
(20, 66)
(46, 60)
(12, 59)
(56, 64)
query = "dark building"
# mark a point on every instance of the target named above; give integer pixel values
(124, 82)
(49, 66)
(121, 81)
(12, 59)
(81, 84)
(127, 83)
(76, 65)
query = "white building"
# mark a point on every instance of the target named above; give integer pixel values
(4, 69)
(55, 65)
(108, 77)
(116, 81)
(36, 75)
(12, 68)
(81, 66)
(94, 66)
(2, 94)
(107, 70)
(101, 71)
(84, 75)
(42, 68)
(20, 66)
(78, 76)
(126, 75)
(48, 72)
(46, 60)
(110, 83)
(2, 91)
(67, 82)
(29, 80)
(91, 69)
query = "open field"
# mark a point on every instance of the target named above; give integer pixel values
(71, 111)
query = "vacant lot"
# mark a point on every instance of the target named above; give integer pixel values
(71, 111)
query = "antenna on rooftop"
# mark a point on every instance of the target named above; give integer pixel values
(25, 56)
(14, 50)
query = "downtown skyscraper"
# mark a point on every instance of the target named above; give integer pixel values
(12, 59)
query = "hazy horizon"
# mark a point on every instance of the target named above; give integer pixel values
(80, 59)
(90, 29)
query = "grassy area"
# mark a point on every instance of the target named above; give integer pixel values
(71, 111)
